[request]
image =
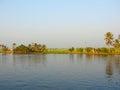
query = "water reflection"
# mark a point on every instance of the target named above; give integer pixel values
(109, 69)
(80, 56)
(117, 63)
(90, 57)
(29, 59)
(5, 58)
(113, 65)
(111, 62)
(60, 70)
(71, 58)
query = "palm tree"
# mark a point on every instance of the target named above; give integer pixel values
(116, 43)
(43, 48)
(109, 39)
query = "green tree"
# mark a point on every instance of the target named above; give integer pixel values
(88, 49)
(4, 48)
(109, 39)
(22, 48)
(116, 43)
(80, 50)
(37, 48)
(71, 49)
(44, 49)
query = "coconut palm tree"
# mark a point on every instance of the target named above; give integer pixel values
(116, 43)
(109, 39)
(44, 48)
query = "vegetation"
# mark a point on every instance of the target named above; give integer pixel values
(116, 43)
(88, 49)
(71, 49)
(80, 50)
(31, 48)
(109, 39)
(113, 48)
(23, 49)
(38, 48)
(3, 48)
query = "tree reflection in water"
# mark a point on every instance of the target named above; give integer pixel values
(113, 65)
(109, 69)
(30, 59)
(71, 58)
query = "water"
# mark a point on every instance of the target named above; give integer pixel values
(59, 72)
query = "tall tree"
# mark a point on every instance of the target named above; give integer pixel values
(43, 48)
(116, 43)
(109, 39)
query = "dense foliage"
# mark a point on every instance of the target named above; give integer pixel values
(3, 48)
(31, 48)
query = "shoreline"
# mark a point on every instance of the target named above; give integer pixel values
(88, 53)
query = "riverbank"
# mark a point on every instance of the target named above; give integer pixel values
(89, 53)
(87, 50)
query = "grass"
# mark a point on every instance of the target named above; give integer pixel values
(87, 50)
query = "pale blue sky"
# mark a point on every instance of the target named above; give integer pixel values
(59, 23)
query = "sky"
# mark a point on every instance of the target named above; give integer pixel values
(58, 23)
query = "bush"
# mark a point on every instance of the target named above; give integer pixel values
(80, 49)
(21, 48)
(71, 49)
(112, 50)
(88, 49)
(103, 50)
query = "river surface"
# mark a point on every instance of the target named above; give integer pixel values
(59, 72)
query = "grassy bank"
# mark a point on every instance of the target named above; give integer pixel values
(87, 50)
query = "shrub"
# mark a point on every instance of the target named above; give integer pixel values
(80, 49)
(88, 49)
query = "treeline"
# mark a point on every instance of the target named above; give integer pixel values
(87, 50)
(3, 48)
(23, 49)
(112, 43)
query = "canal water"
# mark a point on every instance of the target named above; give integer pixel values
(59, 72)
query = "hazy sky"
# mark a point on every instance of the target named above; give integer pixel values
(58, 23)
